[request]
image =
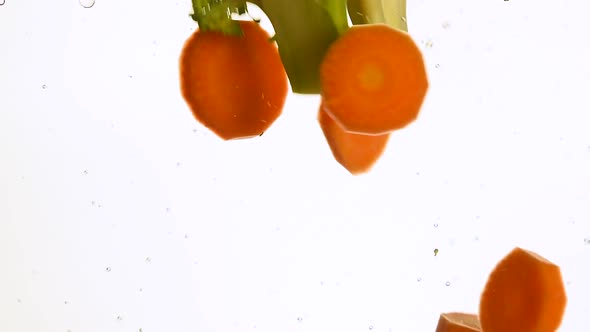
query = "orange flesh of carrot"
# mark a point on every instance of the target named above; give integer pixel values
(373, 79)
(458, 322)
(234, 86)
(524, 293)
(355, 152)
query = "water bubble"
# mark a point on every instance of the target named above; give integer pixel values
(108, 269)
(448, 283)
(419, 279)
(437, 65)
(87, 3)
(429, 44)
(299, 319)
(148, 260)
(119, 317)
(446, 25)
(435, 225)
(371, 327)
(587, 241)
(44, 86)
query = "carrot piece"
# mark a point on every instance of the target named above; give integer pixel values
(234, 85)
(524, 293)
(356, 152)
(373, 79)
(458, 322)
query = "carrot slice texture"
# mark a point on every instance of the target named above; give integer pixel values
(355, 152)
(524, 293)
(234, 85)
(458, 322)
(373, 79)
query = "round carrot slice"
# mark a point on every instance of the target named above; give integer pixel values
(355, 152)
(373, 79)
(524, 293)
(458, 322)
(234, 85)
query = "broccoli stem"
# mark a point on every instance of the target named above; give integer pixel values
(391, 12)
(304, 31)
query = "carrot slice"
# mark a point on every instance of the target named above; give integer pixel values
(356, 152)
(458, 322)
(524, 293)
(234, 85)
(373, 79)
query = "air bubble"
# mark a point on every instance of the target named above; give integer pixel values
(1, 2)
(85, 3)
(448, 283)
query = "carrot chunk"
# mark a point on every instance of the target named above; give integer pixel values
(458, 322)
(373, 79)
(234, 85)
(524, 293)
(355, 152)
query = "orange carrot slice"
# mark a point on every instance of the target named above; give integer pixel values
(234, 85)
(458, 322)
(356, 152)
(373, 79)
(524, 293)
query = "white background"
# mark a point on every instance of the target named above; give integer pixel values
(119, 212)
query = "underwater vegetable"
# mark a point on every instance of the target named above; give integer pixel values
(373, 79)
(355, 152)
(458, 322)
(524, 293)
(234, 84)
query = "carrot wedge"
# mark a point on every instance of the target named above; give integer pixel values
(524, 293)
(458, 322)
(355, 152)
(373, 79)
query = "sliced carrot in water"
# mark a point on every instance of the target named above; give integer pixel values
(234, 85)
(524, 293)
(458, 322)
(356, 152)
(373, 79)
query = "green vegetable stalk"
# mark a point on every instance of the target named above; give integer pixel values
(304, 28)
